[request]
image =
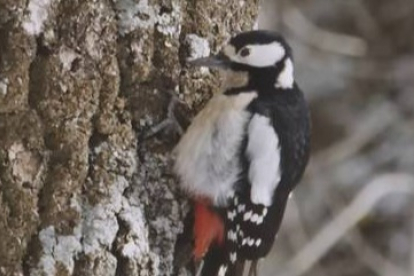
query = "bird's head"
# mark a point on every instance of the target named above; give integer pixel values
(263, 57)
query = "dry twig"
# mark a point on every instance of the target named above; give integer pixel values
(362, 204)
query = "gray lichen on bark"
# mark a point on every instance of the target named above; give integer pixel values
(80, 82)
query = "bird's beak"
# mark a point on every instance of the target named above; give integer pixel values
(219, 61)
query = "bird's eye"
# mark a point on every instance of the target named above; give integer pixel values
(245, 52)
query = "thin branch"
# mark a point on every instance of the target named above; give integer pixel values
(363, 18)
(322, 39)
(412, 249)
(371, 258)
(297, 234)
(375, 123)
(364, 252)
(362, 204)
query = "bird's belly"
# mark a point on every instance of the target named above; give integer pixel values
(207, 155)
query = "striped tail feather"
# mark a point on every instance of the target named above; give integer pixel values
(214, 266)
(218, 263)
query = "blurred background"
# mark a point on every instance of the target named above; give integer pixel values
(353, 214)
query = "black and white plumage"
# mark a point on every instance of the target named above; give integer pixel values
(247, 149)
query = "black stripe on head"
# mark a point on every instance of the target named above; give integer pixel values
(258, 37)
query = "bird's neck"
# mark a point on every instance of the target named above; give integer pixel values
(234, 80)
(279, 78)
(263, 80)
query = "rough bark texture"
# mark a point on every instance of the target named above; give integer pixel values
(81, 82)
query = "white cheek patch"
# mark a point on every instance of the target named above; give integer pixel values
(285, 79)
(263, 151)
(260, 55)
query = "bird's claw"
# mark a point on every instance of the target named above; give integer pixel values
(169, 122)
(253, 268)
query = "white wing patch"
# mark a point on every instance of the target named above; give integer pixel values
(264, 153)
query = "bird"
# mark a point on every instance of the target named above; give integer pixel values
(244, 153)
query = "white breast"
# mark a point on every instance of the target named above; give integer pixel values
(206, 158)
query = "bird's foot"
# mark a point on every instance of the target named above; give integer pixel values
(253, 268)
(170, 122)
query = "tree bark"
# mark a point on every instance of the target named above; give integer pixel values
(84, 188)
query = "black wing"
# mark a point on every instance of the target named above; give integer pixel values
(251, 228)
(256, 224)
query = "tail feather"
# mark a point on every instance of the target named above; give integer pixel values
(184, 247)
(253, 268)
(212, 262)
(239, 270)
(218, 263)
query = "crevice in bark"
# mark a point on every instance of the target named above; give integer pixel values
(31, 255)
(30, 258)
(34, 89)
(121, 267)
(33, 78)
(42, 49)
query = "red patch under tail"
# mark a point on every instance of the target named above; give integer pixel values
(208, 228)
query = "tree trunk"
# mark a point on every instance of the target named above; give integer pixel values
(85, 189)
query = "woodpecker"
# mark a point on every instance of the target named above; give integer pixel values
(244, 153)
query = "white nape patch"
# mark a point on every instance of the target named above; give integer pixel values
(264, 153)
(233, 257)
(261, 55)
(206, 158)
(285, 79)
(38, 13)
(222, 271)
